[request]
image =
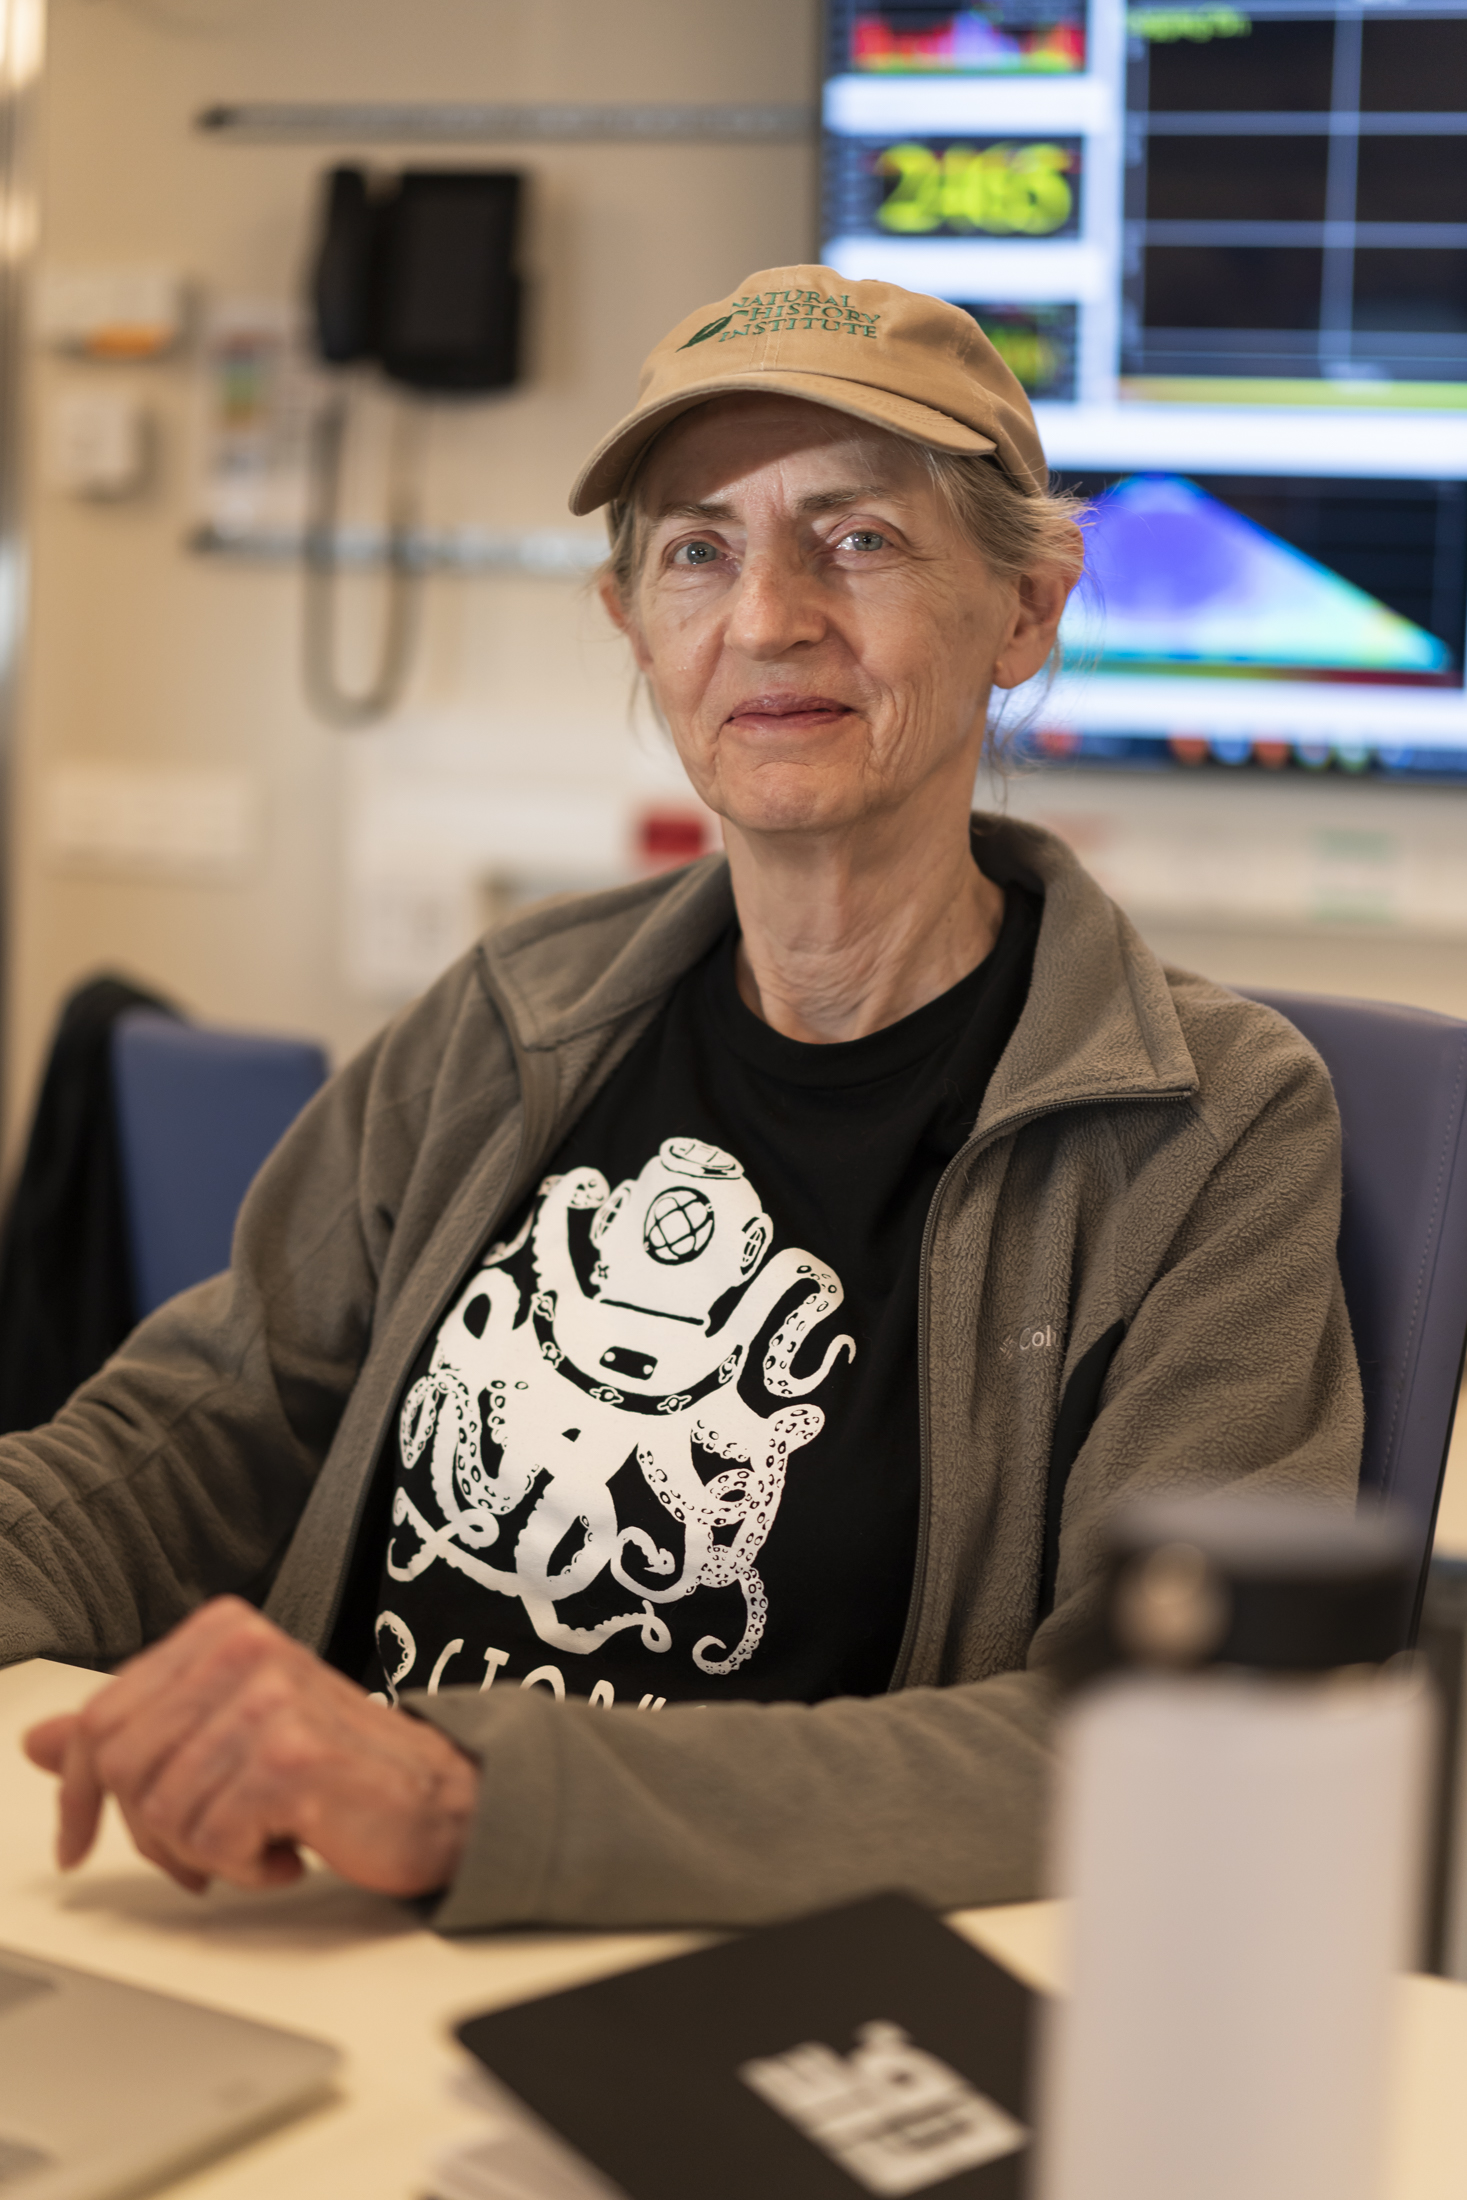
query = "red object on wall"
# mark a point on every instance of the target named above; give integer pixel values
(665, 837)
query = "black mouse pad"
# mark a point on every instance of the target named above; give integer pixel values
(867, 2049)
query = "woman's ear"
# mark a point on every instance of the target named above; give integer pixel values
(1034, 628)
(621, 618)
(610, 595)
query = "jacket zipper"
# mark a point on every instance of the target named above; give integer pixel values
(964, 1154)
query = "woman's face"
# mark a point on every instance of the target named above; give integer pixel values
(820, 634)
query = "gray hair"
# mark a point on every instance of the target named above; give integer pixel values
(1013, 530)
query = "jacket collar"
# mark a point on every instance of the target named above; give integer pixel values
(571, 967)
(1099, 1022)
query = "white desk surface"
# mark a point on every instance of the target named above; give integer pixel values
(358, 1970)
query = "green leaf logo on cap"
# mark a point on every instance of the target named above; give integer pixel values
(711, 328)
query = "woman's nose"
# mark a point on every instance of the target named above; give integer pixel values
(777, 606)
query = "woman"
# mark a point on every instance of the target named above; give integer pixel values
(739, 1298)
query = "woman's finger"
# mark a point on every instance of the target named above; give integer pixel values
(82, 1796)
(45, 1743)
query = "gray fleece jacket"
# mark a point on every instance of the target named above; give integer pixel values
(1129, 1284)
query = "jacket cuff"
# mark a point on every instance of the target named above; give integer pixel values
(502, 1875)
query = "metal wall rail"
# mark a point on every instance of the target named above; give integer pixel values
(560, 122)
(549, 553)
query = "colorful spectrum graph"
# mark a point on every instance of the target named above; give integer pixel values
(965, 44)
(1179, 582)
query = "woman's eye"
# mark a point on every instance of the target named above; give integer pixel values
(862, 538)
(695, 553)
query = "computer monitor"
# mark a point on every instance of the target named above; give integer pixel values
(1225, 250)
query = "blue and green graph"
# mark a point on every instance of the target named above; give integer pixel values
(1179, 582)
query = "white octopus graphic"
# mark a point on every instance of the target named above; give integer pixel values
(555, 1387)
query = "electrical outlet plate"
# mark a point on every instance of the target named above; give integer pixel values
(184, 823)
(100, 443)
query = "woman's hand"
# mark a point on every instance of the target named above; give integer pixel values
(229, 1748)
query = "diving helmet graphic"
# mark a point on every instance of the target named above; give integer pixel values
(681, 1234)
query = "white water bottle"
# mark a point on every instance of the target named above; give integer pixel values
(1239, 1826)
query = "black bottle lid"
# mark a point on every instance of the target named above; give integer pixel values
(1279, 1586)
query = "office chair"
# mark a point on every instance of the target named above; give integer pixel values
(197, 1112)
(1400, 1077)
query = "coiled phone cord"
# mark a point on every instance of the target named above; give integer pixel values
(326, 693)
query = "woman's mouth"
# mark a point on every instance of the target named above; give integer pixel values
(787, 713)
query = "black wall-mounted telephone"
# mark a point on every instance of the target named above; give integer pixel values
(417, 272)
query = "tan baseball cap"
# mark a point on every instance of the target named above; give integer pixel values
(906, 362)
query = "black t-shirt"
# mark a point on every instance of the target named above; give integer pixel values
(664, 1445)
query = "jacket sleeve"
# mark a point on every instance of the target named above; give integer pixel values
(1237, 1366)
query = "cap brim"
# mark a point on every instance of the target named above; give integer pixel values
(607, 468)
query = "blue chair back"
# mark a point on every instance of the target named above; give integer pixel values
(1400, 1077)
(198, 1110)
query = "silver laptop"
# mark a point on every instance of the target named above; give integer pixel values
(107, 2089)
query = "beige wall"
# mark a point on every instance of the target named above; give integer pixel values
(143, 653)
